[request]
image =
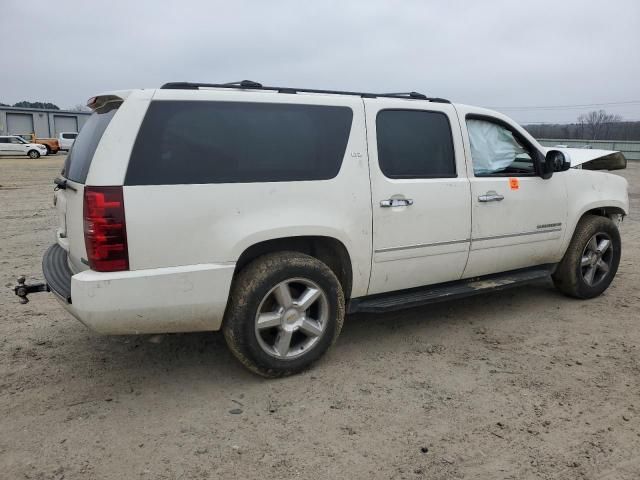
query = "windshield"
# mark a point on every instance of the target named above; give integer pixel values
(19, 140)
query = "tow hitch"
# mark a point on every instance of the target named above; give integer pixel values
(23, 289)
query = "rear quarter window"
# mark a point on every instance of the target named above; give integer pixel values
(76, 166)
(189, 142)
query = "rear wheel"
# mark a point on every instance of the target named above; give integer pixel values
(33, 154)
(285, 310)
(592, 259)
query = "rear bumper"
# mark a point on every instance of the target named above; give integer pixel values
(57, 273)
(161, 300)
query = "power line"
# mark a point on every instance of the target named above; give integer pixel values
(558, 107)
(575, 122)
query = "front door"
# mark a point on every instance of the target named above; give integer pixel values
(420, 194)
(16, 146)
(518, 217)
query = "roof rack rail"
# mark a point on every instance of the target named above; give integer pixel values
(407, 94)
(251, 85)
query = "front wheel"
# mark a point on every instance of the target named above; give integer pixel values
(33, 154)
(285, 310)
(592, 259)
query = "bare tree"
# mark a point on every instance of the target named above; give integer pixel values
(80, 108)
(596, 124)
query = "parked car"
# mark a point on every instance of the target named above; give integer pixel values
(270, 212)
(51, 144)
(16, 146)
(66, 139)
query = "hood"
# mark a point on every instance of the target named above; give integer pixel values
(590, 159)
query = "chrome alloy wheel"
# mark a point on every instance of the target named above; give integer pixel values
(291, 318)
(596, 259)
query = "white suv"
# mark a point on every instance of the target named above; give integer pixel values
(269, 212)
(18, 146)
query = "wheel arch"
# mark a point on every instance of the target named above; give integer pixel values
(328, 250)
(604, 209)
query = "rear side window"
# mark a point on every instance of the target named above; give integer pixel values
(183, 142)
(79, 159)
(415, 144)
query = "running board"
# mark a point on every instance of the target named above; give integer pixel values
(415, 297)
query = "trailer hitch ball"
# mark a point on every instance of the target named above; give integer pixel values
(23, 289)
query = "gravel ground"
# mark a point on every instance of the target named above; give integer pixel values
(513, 385)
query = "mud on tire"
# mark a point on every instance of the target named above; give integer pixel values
(584, 271)
(273, 334)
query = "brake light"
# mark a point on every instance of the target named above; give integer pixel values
(105, 232)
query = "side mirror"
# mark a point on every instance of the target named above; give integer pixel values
(559, 160)
(554, 161)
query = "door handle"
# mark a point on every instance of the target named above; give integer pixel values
(491, 196)
(396, 202)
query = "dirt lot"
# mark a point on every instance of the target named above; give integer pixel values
(519, 384)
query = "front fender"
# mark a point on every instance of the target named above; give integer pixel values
(589, 190)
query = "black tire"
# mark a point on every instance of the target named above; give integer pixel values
(569, 277)
(254, 285)
(34, 154)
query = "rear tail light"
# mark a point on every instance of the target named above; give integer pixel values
(105, 232)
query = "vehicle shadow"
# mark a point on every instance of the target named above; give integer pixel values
(204, 357)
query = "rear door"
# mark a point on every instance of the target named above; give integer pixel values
(420, 194)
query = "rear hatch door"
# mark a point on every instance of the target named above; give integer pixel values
(69, 194)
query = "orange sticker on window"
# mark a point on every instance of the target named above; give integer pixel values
(514, 183)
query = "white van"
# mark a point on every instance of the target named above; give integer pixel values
(270, 212)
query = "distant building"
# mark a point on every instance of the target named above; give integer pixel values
(44, 122)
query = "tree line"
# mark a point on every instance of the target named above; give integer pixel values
(25, 104)
(595, 125)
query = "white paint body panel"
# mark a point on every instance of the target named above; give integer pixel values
(184, 240)
(193, 224)
(589, 190)
(427, 242)
(176, 299)
(524, 229)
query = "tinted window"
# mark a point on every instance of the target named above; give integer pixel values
(415, 144)
(229, 142)
(79, 159)
(69, 136)
(4, 140)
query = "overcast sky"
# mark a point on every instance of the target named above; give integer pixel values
(489, 53)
